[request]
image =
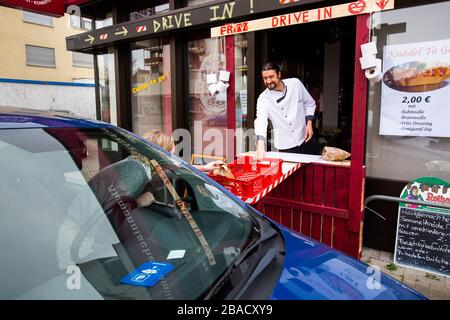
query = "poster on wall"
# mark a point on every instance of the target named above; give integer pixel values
(416, 89)
(423, 232)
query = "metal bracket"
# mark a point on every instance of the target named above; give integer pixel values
(398, 199)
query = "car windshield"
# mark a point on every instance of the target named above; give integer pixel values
(75, 222)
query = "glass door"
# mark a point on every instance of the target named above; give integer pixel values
(150, 86)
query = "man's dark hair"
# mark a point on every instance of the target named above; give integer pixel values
(272, 66)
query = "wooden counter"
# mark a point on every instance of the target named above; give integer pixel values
(312, 200)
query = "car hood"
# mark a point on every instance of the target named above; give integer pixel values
(18, 118)
(314, 271)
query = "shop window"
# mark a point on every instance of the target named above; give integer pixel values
(150, 86)
(40, 56)
(207, 120)
(408, 135)
(244, 142)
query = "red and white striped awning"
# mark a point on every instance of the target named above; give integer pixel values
(288, 170)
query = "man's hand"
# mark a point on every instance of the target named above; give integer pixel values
(309, 131)
(145, 199)
(210, 166)
(260, 150)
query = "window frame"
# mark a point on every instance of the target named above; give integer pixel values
(28, 63)
(30, 20)
(82, 22)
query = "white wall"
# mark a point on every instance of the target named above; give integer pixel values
(79, 100)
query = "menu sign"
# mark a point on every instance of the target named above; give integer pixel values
(423, 232)
(416, 89)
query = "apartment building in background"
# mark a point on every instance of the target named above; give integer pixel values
(36, 70)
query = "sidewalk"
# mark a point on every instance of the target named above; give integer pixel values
(434, 287)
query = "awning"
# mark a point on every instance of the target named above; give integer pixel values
(55, 8)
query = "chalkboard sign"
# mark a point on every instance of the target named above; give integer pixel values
(423, 239)
(423, 231)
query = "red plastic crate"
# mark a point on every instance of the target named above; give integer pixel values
(250, 177)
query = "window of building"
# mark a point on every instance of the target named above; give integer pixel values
(82, 23)
(148, 12)
(197, 2)
(103, 23)
(40, 56)
(82, 60)
(37, 18)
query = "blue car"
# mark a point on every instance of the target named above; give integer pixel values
(76, 223)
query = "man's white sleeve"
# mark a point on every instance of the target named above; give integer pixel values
(308, 102)
(261, 120)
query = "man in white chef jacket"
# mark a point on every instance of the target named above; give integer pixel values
(290, 107)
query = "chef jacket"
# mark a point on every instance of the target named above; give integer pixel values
(288, 110)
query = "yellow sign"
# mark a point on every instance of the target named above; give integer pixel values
(152, 82)
(289, 19)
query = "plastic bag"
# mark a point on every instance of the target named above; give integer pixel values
(334, 154)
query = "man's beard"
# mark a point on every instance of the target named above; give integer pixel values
(271, 86)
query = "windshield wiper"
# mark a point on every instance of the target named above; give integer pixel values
(264, 237)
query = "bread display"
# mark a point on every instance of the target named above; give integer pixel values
(223, 170)
(334, 154)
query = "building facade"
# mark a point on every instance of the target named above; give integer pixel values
(153, 63)
(37, 71)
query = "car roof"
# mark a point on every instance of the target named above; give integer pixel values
(14, 118)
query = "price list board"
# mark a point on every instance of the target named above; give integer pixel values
(423, 241)
(423, 231)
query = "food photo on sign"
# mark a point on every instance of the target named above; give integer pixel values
(418, 76)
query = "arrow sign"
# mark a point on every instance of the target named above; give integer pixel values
(382, 4)
(124, 32)
(90, 39)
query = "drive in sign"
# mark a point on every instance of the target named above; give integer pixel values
(289, 19)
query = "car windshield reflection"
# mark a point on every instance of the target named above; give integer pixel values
(85, 191)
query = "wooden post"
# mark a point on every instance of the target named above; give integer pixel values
(231, 100)
(357, 172)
